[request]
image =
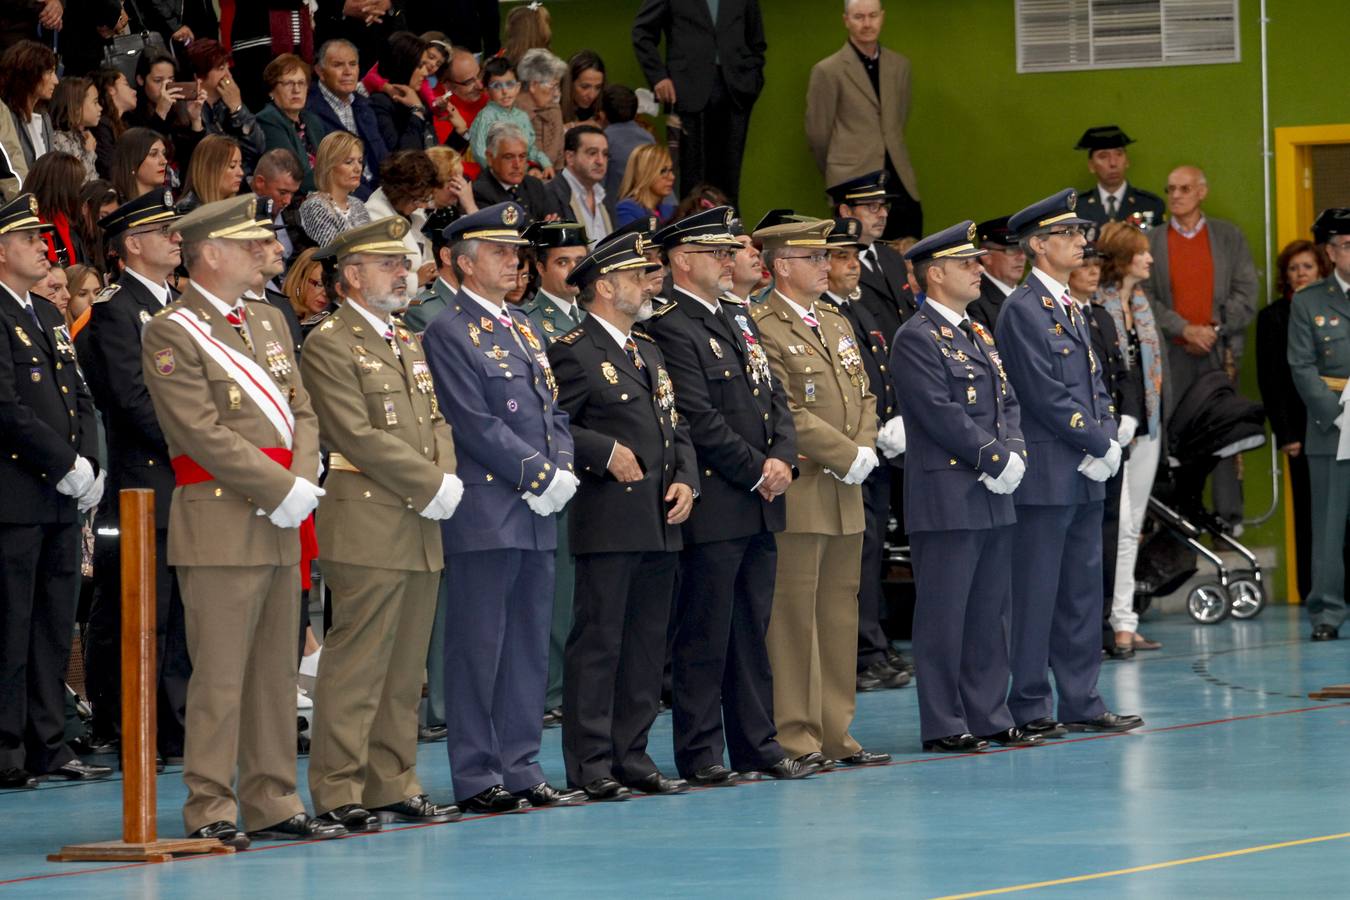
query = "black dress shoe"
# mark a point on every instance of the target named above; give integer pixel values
(956, 743)
(545, 794)
(225, 832)
(300, 827)
(605, 790)
(353, 817)
(553, 717)
(786, 769)
(818, 760)
(1046, 727)
(865, 758)
(17, 779)
(1015, 737)
(1325, 633)
(899, 661)
(713, 776)
(491, 801)
(429, 734)
(1106, 723)
(78, 770)
(879, 676)
(656, 783)
(419, 809)
(1120, 652)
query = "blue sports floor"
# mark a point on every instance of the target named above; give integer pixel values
(1235, 788)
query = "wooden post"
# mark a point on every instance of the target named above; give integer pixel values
(139, 676)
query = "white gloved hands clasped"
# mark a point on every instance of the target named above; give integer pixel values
(78, 481)
(1007, 480)
(1113, 457)
(91, 498)
(863, 464)
(555, 496)
(446, 501)
(891, 437)
(1125, 433)
(302, 500)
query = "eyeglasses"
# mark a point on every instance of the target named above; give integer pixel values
(873, 206)
(815, 259)
(1071, 232)
(314, 283)
(475, 78)
(293, 84)
(1335, 247)
(719, 255)
(503, 85)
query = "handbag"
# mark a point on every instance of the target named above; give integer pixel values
(125, 49)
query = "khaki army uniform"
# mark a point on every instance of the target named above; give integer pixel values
(813, 630)
(390, 449)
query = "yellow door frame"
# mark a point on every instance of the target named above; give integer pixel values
(1294, 214)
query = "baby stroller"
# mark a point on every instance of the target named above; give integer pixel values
(1211, 422)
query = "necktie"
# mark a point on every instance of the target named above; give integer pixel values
(866, 257)
(32, 314)
(236, 318)
(1112, 204)
(966, 330)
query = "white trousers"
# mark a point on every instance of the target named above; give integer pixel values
(1140, 470)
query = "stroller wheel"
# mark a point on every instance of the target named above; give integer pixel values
(1249, 598)
(1207, 604)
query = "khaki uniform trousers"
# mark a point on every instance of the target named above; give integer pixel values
(242, 627)
(363, 746)
(813, 642)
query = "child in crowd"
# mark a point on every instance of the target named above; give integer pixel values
(499, 76)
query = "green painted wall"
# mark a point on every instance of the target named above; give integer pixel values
(986, 141)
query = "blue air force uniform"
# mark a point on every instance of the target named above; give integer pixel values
(1067, 416)
(496, 390)
(963, 428)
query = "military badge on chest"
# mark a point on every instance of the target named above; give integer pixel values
(425, 386)
(665, 394)
(552, 382)
(278, 363)
(759, 360)
(64, 345)
(850, 359)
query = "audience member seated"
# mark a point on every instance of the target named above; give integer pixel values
(55, 181)
(55, 290)
(582, 87)
(619, 103)
(452, 197)
(215, 173)
(527, 28)
(401, 114)
(304, 287)
(276, 178)
(579, 191)
(503, 88)
(118, 98)
(174, 112)
(467, 99)
(285, 122)
(504, 179)
(407, 179)
(83, 284)
(74, 111)
(648, 187)
(27, 80)
(97, 199)
(541, 76)
(139, 163)
(336, 105)
(334, 207)
(224, 111)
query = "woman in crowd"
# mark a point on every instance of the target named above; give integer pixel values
(75, 109)
(284, 121)
(139, 163)
(527, 28)
(97, 199)
(304, 288)
(332, 209)
(402, 114)
(703, 197)
(648, 187)
(83, 283)
(224, 111)
(407, 180)
(582, 86)
(541, 75)
(215, 173)
(55, 181)
(1126, 263)
(453, 190)
(1299, 264)
(171, 111)
(117, 98)
(27, 80)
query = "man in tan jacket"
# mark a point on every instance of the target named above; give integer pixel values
(813, 630)
(857, 102)
(244, 445)
(391, 480)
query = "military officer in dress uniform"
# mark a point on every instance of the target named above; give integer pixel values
(879, 665)
(1003, 266)
(813, 631)
(883, 282)
(966, 457)
(638, 483)
(390, 482)
(1113, 199)
(1319, 360)
(110, 352)
(746, 451)
(553, 311)
(49, 480)
(1069, 422)
(244, 445)
(497, 392)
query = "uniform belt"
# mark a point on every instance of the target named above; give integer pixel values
(1336, 384)
(339, 463)
(187, 470)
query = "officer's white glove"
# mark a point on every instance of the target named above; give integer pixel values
(302, 500)
(446, 501)
(78, 481)
(1013, 472)
(891, 437)
(1125, 433)
(1113, 457)
(1095, 468)
(863, 464)
(90, 499)
(555, 496)
(994, 485)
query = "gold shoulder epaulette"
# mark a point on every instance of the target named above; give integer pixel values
(570, 337)
(759, 311)
(663, 309)
(637, 332)
(107, 293)
(826, 305)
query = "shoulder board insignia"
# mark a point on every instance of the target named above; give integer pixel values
(166, 310)
(571, 337)
(663, 309)
(759, 311)
(327, 325)
(638, 333)
(826, 305)
(728, 298)
(107, 293)
(418, 300)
